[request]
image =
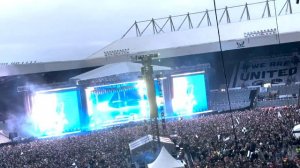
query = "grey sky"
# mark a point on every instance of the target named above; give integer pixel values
(50, 30)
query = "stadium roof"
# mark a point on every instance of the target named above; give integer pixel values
(263, 31)
(205, 39)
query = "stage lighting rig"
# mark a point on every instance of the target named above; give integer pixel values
(147, 74)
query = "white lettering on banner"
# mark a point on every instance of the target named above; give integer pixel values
(268, 74)
(273, 70)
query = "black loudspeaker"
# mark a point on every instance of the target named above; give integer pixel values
(12, 135)
(297, 1)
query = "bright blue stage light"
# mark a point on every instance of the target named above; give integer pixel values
(118, 103)
(54, 113)
(189, 94)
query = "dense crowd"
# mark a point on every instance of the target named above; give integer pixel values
(251, 138)
(105, 148)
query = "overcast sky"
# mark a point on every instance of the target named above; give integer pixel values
(54, 29)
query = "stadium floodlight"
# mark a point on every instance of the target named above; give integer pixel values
(141, 57)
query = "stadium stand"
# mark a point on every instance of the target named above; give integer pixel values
(286, 90)
(278, 95)
(240, 98)
(277, 102)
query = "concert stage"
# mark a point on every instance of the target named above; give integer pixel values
(98, 103)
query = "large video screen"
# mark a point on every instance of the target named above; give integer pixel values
(118, 103)
(55, 112)
(189, 94)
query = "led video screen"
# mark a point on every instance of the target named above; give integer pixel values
(55, 113)
(118, 103)
(189, 94)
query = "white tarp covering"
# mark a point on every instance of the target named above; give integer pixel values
(3, 139)
(296, 131)
(165, 160)
(115, 69)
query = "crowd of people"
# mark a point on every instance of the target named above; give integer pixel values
(104, 148)
(250, 138)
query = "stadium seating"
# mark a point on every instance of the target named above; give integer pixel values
(279, 95)
(286, 90)
(239, 98)
(277, 102)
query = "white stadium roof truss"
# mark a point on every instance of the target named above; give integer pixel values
(203, 18)
(187, 35)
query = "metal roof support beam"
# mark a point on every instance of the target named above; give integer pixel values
(227, 15)
(190, 21)
(172, 24)
(246, 10)
(154, 26)
(161, 29)
(245, 15)
(128, 31)
(199, 24)
(182, 22)
(208, 18)
(266, 10)
(145, 28)
(288, 8)
(137, 30)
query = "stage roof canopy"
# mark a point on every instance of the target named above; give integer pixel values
(115, 69)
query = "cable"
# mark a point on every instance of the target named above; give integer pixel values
(277, 22)
(225, 76)
(222, 57)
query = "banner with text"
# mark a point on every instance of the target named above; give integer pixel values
(274, 70)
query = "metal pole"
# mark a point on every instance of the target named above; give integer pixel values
(276, 17)
(147, 71)
(226, 81)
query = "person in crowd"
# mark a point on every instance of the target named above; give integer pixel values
(258, 138)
